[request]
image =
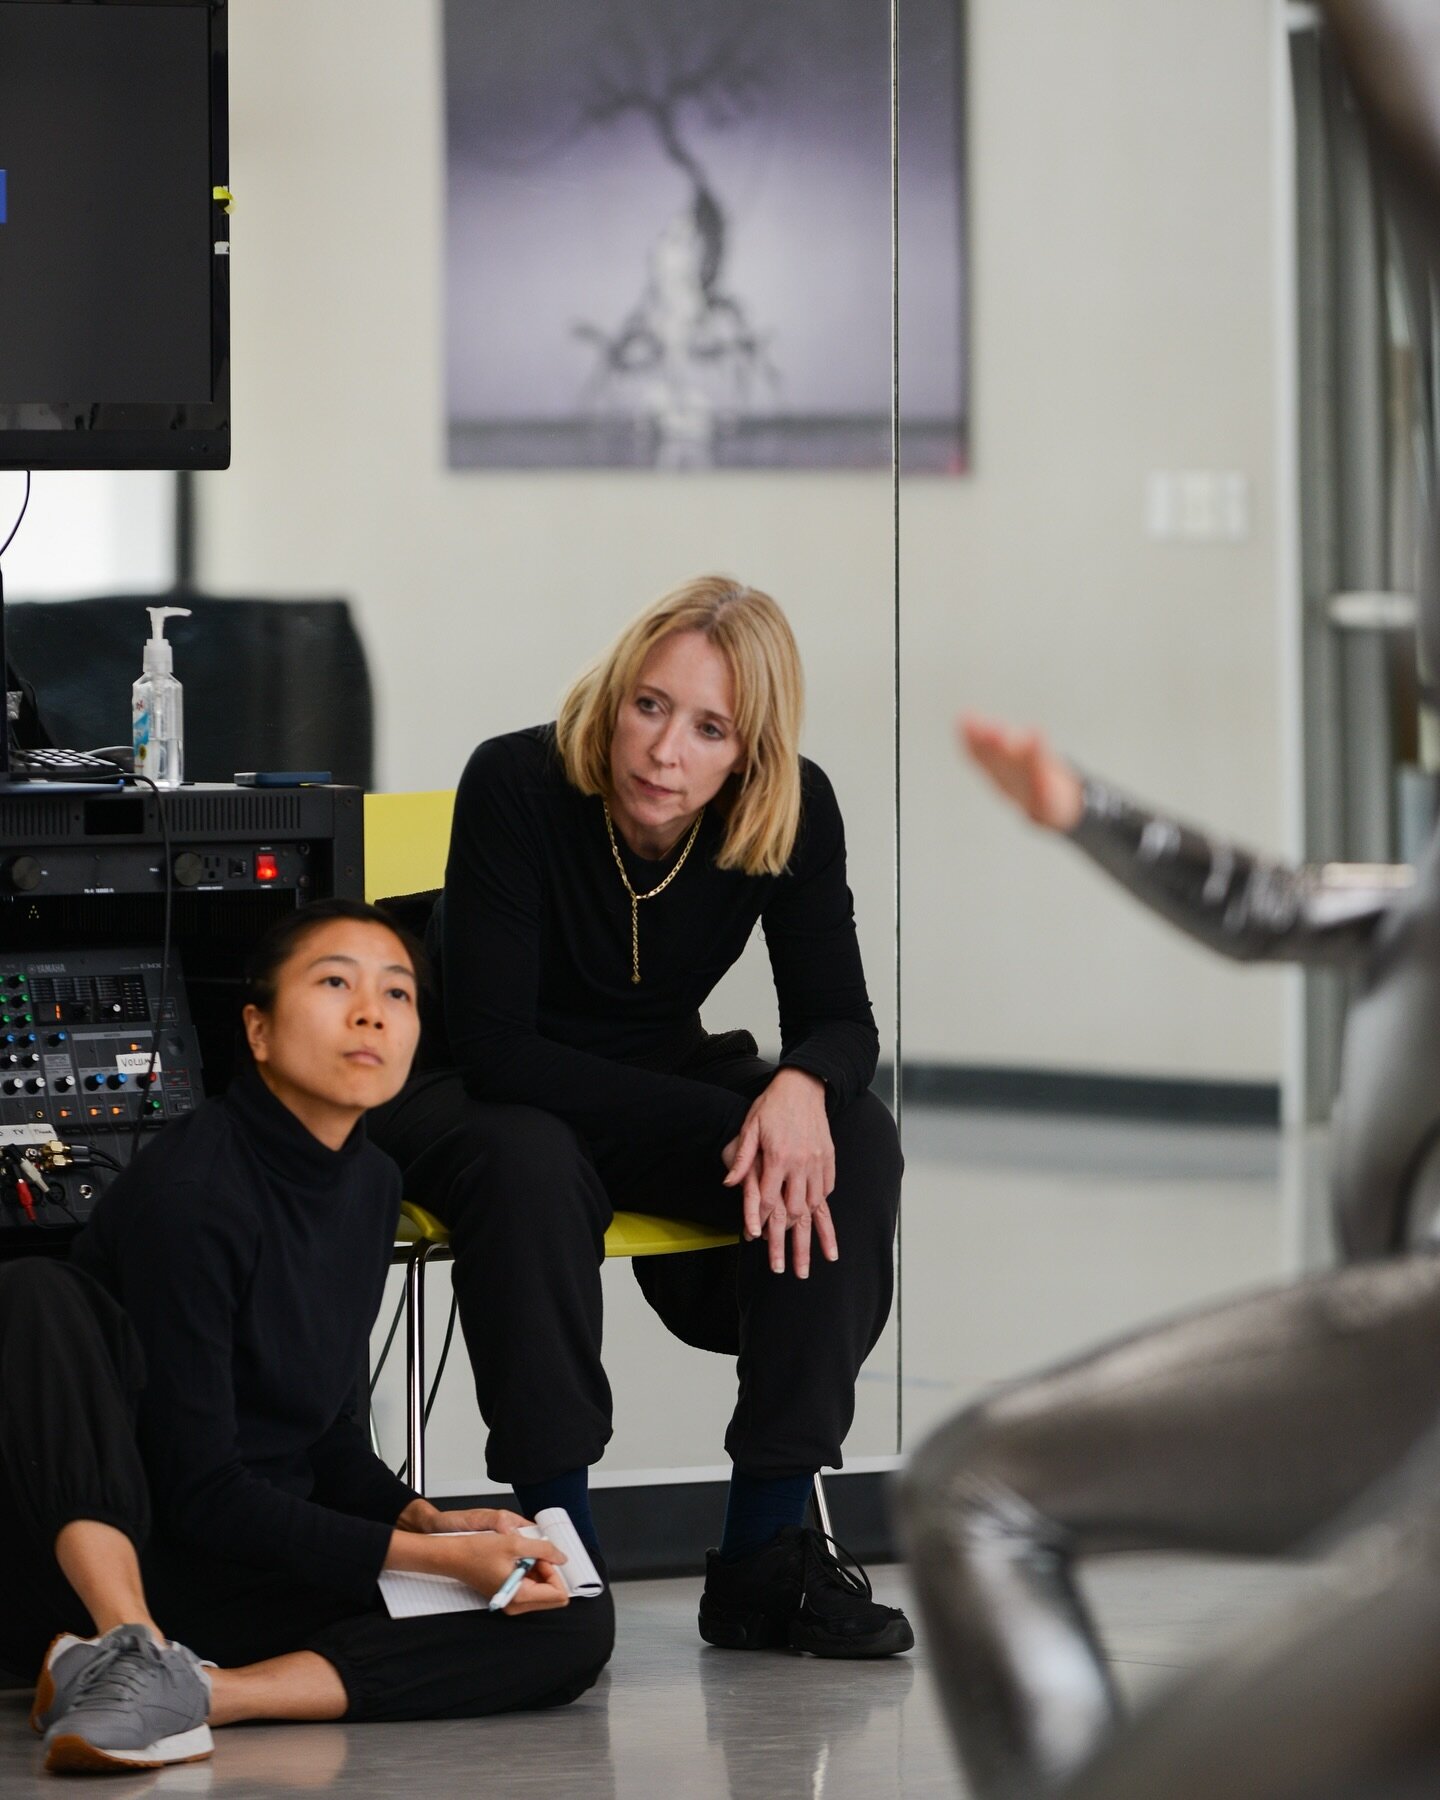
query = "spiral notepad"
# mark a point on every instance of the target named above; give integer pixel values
(578, 1573)
(410, 1596)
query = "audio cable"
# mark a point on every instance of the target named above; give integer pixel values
(147, 1082)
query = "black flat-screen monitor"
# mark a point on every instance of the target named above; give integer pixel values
(114, 249)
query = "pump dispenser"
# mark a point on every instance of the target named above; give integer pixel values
(157, 715)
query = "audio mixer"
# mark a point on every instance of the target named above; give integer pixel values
(77, 1030)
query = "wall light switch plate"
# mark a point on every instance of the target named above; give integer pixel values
(1160, 506)
(1197, 503)
(1200, 506)
(1234, 506)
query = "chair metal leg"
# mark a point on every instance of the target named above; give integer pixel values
(822, 1510)
(415, 1369)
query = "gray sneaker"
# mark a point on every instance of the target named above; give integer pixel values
(65, 1662)
(123, 1702)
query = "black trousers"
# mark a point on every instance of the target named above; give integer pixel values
(1245, 1428)
(71, 1371)
(527, 1203)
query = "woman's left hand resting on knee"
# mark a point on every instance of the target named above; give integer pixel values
(785, 1158)
(425, 1543)
(421, 1516)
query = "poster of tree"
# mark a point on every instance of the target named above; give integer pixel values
(668, 234)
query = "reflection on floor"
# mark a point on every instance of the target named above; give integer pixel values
(1025, 1238)
(672, 1716)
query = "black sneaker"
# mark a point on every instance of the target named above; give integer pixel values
(796, 1594)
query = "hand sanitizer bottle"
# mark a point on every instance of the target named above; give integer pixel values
(157, 716)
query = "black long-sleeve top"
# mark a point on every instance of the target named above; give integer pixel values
(532, 941)
(1243, 905)
(251, 1260)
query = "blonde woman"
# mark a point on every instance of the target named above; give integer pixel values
(604, 873)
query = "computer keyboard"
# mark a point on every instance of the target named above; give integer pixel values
(63, 765)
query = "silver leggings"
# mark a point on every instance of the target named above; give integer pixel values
(1246, 1428)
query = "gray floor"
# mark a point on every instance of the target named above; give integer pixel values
(1038, 1237)
(672, 1716)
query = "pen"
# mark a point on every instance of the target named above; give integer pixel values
(506, 1591)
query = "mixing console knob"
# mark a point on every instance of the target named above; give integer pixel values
(30, 1062)
(35, 1085)
(188, 868)
(56, 1038)
(12, 1086)
(94, 1081)
(64, 1084)
(22, 875)
(116, 1081)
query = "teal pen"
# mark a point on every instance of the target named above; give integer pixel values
(508, 1588)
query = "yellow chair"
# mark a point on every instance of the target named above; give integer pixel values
(407, 838)
(423, 1239)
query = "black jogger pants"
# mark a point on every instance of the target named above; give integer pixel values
(71, 1371)
(527, 1202)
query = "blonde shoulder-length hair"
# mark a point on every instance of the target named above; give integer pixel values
(761, 801)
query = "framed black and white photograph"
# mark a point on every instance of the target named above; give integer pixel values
(669, 234)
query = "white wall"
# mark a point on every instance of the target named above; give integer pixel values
(479, 596)
(1123, 239)
(1121, 254)
(88, 532)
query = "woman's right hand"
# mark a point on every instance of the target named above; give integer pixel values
(484, 1560)
(1025, 770)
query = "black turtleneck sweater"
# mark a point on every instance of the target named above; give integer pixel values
(251, 1260)
(532, 938)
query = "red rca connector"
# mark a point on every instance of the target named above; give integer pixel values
(16, 1168)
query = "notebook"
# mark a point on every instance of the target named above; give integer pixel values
(410, 1596)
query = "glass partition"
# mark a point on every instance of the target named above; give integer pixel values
(539, 312)
(1091, 1102)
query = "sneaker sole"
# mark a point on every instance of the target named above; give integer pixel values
(72, 1754)
(891, 1640)
(744, 1631)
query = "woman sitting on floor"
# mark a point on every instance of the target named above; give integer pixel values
(196, 1363)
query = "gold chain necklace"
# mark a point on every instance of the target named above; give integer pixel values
(635, 898)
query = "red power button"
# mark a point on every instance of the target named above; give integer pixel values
(266, 868)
